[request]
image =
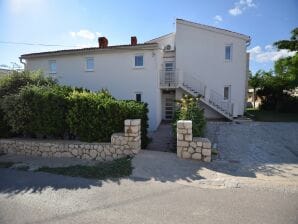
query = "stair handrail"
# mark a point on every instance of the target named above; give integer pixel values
(217, 99)
(194, 84)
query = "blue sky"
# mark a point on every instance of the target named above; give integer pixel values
(74, 23)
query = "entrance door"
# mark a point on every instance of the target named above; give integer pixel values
(168, 106)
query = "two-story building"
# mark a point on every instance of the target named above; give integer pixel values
(196, 59)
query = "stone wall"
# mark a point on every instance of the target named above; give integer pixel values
(122, 144)
(189, 147)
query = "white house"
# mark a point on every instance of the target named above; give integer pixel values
(196, 59)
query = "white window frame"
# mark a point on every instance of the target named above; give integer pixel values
(231, 52)
(134, 61)
(86, 68)
(50, 67)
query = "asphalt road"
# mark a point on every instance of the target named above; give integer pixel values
(28, 197)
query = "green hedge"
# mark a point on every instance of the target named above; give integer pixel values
(44, 109)
(95, 116)
(37, 110)
(11, 84)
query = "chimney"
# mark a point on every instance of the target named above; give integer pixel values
(133, 40)
(102, 42)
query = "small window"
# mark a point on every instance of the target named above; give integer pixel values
(228, 52)
(139, 61)
(226, 92)
(138, 97)
(89, 64)
(53, 66)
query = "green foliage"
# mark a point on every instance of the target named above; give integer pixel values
(189, 110)
(291, 44)
(95, 116)
(274, 87)
(37, 110)
(11, 84)
(36, 106)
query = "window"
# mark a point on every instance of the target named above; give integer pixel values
(139, 61)
(138, 97)
(228, 52)
(53, 66)
(89, 64)
(226, 92)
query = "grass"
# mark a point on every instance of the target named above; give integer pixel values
(271, 116)
(6, 164)
(103, 170)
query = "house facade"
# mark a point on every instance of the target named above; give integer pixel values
(195, 60)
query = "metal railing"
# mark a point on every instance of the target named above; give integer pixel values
(218, 101)
(193, 84)
(169, 78)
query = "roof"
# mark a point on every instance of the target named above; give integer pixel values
(144, 46)
(215, 29)
(160, 37)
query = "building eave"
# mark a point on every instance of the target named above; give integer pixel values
(92, 50)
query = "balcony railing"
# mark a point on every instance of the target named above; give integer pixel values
(169, 78)
(218, 101)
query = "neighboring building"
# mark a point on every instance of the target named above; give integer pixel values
(196, 59)
(4, 71)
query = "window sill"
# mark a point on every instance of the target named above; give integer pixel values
(52, 73)
(89, 70)
(138, 67)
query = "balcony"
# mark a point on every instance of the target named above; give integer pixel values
(169, 79)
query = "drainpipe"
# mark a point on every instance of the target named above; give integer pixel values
(22, 62)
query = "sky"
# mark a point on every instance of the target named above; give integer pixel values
(76, 23)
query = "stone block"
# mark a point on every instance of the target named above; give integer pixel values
(135, 122)
(186, 155)
(198, 149)
(188, 124)
(179, 136)
(207, 158)
(93, 153)
(127, 122)
(193, 144)
(197, 156)
(191, 150)
(182, 143)
(206, 152)
(188, 138)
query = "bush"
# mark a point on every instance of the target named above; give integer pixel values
(189, 110)
(35, 106)
(95, 116)
(11, 84)
(37, 110)
(287, 104)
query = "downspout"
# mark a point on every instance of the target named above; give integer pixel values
(22, 62)
(247, 72)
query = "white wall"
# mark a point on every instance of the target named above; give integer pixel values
(114, 71)
(201, 53)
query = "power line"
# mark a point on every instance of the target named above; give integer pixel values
(35, 44)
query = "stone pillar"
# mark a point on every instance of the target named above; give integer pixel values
(189, 147)
(132, 131)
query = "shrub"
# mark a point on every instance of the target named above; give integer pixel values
(11, 84)
(37, 110)
(95, 116)
(189, 110)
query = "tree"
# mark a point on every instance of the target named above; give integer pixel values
(255, 82)
(291, 44)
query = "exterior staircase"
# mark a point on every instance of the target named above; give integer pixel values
(196, 87)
